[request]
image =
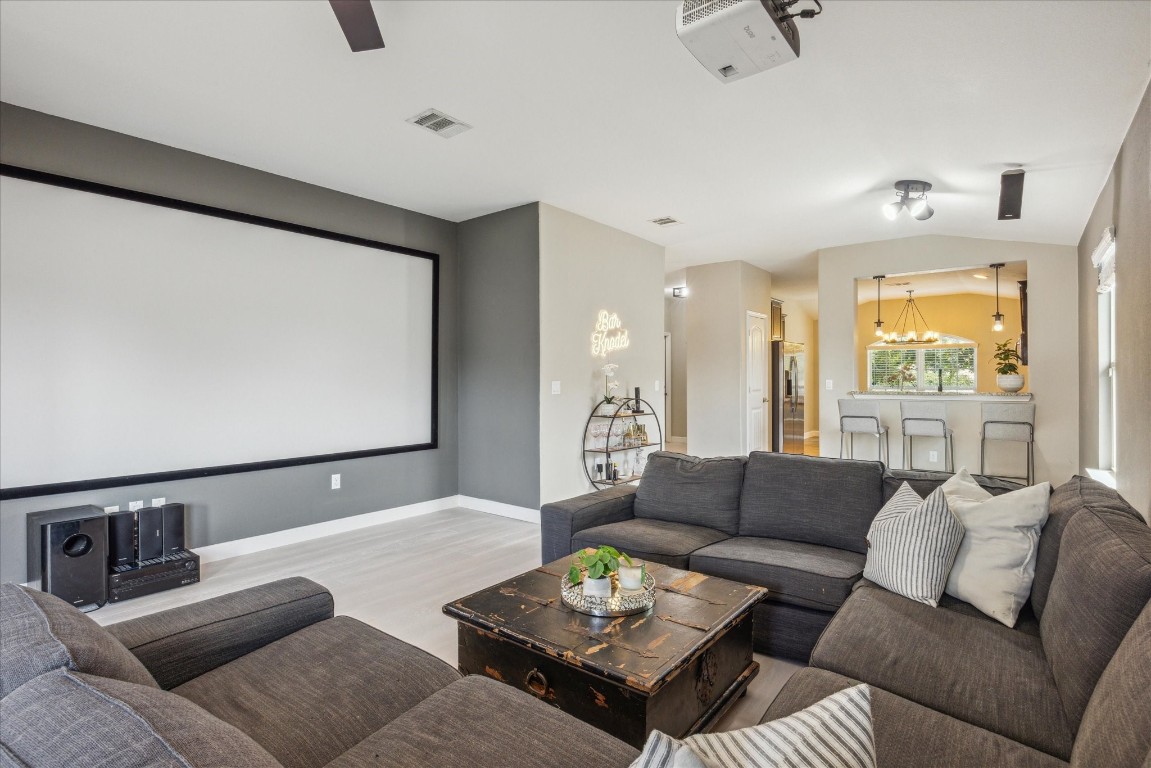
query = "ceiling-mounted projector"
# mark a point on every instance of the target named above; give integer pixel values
(736, 38)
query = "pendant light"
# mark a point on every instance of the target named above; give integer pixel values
(910, 314)
(878, 317)
(997, 318)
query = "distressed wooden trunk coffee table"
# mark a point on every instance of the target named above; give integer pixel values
(676, 668)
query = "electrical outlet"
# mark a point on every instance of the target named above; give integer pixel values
(113, 508)
(933, 455)
(135, 505)
(335, 482)
(556, 388)
(159, 502)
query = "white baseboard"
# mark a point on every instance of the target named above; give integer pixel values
(677, 438)
(499, 508)
(227, 549)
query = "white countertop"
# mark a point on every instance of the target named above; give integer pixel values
(978, 397)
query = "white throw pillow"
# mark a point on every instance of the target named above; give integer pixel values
(962, 485)
(995, 565)
(911, 545)
(835, 732)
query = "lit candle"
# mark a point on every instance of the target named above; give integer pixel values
(631, 576)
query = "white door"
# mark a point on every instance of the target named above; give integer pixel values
(756, 382)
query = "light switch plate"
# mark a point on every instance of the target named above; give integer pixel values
(829, 385)
(556, 388)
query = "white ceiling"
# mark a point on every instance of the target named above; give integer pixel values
(596, 107)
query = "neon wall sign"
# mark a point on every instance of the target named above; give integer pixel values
(609, 335)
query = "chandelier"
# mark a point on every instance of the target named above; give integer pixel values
(911, 326)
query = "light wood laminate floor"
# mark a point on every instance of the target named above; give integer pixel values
(397, 575)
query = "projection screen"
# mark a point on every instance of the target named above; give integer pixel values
(144, 339)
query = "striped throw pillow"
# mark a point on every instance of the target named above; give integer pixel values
(833, 733)
(911, 545)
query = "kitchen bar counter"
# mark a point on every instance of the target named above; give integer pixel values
(979, 397)
(965, 419)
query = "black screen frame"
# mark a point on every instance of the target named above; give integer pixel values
(81, 185)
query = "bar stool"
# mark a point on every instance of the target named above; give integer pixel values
(861, 417)
(1009, 421)
(924, 418)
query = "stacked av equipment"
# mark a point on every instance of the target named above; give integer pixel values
(158, 560)
(72, 556)
(174, 570)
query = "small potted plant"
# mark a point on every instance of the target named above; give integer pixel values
(599, 564)
(1007, 359)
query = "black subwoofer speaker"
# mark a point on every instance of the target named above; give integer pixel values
(74, 561)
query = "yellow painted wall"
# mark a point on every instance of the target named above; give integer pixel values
(965, 314)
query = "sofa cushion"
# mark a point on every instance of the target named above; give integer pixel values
(1116, 727)
(656, 540)
(1101, 583)
(684, 489)
(478, 722)
(308, 697)
(807, 498)
(1066, 500)
(912, 544)
(40, 632)
(924, 481)
(909, 735)
(973, 669)
(795, 572)
(68, 718)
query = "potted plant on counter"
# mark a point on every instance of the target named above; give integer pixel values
(1007, 359)
(599, 564)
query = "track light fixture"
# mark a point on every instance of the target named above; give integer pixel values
(913, 197)
(878, 317)
(997, 318)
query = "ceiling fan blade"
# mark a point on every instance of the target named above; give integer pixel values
(358, 21)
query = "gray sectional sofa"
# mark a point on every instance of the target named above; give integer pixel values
(1069, 684)
(794, 524)
(267, 676)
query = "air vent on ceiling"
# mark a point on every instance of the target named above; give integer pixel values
(665, 221)
(439, 123)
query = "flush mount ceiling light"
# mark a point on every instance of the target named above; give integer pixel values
(878, 318)
(913, 197)
(997, 318)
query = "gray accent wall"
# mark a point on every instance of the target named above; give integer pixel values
(235, 506)
(499, 407)
(1125, 203)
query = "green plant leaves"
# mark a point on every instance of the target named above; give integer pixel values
(574, 574)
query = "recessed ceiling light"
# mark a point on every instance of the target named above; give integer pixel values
(665, 221)
(980, 277)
